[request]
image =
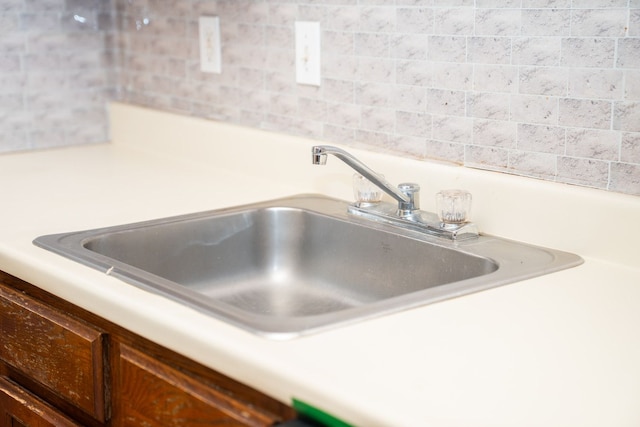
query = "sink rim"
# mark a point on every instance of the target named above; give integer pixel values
(72, 245)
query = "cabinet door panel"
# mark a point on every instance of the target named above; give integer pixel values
(19, 408)
(59, 352)
(154, 394)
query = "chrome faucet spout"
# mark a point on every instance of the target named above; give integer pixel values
(319, 157)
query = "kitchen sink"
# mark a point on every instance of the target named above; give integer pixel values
(298, 265)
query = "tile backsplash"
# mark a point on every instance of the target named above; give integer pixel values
(56, 72)
(542, 88)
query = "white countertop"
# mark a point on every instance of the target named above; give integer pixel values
(558, 350)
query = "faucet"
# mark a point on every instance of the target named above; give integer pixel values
(407, 214)
(406, 194)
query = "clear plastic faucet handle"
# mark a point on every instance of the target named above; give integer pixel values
(453, 206)
(365, 191)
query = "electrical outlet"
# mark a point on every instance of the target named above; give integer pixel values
(308, 53)
(210, 56)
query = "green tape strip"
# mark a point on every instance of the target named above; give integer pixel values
(318, 415)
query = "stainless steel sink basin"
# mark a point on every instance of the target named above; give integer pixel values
(298, 265)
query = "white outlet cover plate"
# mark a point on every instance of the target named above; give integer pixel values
(308, 53)
(210, 51)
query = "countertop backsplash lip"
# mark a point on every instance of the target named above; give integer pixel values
(584, 212)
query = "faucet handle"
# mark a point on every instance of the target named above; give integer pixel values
(412, 191)
(364, 191)
(453, 206)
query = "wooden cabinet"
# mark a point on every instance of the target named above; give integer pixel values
(57, 351)
(155, 394)
(19, 408)
(63, 366)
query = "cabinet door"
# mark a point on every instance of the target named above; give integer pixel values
(154, 394)
(19, 408)
(54, 349)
